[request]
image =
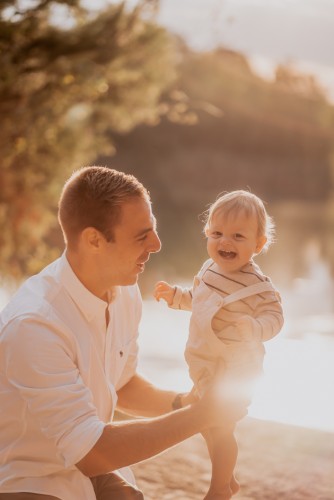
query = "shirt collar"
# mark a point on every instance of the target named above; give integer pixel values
(89, 304)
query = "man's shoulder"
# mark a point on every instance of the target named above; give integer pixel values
(34, 297)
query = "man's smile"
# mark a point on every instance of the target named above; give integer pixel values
(141, 264)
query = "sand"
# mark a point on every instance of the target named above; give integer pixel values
(276, 461)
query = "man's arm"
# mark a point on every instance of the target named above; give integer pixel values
(140, 397)
(128, 442)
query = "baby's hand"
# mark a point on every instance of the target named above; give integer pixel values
(244, 326)
(163, 290)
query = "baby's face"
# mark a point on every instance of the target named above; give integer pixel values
(233, 240)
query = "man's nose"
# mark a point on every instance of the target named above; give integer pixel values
(155, 243)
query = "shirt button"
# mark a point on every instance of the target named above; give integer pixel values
(121, 353)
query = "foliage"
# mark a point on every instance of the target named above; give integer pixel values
(63, 86)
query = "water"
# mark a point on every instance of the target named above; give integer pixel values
(297, 386)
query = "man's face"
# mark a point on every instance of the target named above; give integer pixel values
(135, 237)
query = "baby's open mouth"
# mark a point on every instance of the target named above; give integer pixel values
(226, 254)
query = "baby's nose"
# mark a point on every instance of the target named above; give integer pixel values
(225, 240)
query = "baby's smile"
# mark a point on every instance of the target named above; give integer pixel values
(227, 254)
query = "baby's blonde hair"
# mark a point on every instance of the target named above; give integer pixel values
(250, 204)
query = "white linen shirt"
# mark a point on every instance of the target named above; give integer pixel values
(60, 368)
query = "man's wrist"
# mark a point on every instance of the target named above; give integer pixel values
(177, 401)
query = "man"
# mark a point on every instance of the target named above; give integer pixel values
(69, 352)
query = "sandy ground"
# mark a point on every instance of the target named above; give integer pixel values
(276, 461)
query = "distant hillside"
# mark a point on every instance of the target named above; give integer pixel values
(275, 138)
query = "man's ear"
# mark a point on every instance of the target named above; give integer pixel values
(92, 239)
(261, 241)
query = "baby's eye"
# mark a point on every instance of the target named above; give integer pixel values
(238, 236)
(216, 234)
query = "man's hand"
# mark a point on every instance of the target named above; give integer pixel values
(189, 398)
(222, 405)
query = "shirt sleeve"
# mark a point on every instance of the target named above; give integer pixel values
(182, 299)
(267, 320)
(268, 317)
(39, 362)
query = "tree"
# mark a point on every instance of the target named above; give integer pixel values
(64, 89)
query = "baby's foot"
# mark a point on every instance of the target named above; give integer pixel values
(224, 493)
(234, 485)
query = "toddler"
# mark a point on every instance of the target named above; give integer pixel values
(235, 308)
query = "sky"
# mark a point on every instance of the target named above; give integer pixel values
(281, 29)
(268, 32)
(299, 32)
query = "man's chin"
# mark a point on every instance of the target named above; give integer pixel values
(133, 280)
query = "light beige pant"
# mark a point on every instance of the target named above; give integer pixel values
(106, 487)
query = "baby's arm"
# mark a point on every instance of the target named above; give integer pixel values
(175, 296)
(266, 322)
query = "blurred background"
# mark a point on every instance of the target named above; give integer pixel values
(194, 98)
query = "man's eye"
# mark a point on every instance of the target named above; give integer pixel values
(143, 238)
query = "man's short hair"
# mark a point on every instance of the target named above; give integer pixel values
(92, 197)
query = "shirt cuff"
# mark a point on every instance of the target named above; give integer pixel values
(177, 298)
(81, 441)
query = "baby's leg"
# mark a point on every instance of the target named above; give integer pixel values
(223, 452)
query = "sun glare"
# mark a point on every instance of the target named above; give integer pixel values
(296, 387)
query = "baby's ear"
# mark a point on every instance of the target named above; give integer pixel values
(261, 241)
